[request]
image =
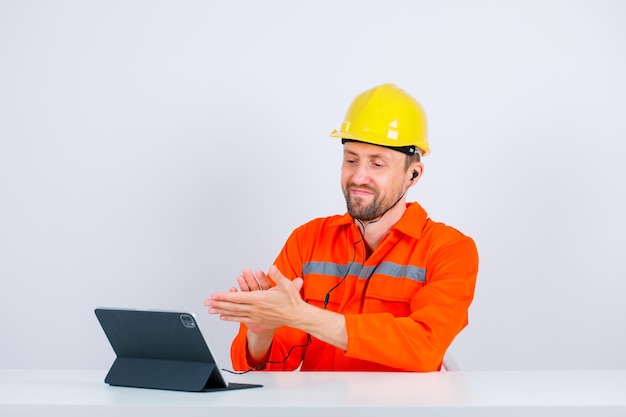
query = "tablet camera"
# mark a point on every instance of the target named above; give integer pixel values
(187, 321)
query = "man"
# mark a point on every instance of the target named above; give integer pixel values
(380, 288)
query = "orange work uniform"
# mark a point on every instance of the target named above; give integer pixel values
(403, 305)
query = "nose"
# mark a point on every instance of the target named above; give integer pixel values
(360, 174)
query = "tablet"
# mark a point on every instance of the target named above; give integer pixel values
(160, 350)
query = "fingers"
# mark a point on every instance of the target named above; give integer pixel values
(253, 281)
(280, 279)
(257, 304)
(243, 283)
(257, 281)
(252, 286)
(298, 283)
(228, 304)
(276, 275)
(238, 307)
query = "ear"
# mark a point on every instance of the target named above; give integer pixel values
(415, 173)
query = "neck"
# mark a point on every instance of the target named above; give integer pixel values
(373, 231)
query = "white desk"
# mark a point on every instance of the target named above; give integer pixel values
(69, 393)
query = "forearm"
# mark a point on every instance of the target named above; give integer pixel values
(258, 347)
(327, 326)
(278, 358)
(400, 343)
(418, 341)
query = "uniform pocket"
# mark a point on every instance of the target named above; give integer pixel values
(317, 286)
(392, 295)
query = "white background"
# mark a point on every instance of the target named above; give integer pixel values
(150, 150)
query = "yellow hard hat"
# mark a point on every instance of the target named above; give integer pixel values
(386, 115)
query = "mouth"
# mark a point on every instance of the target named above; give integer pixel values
(360, 192)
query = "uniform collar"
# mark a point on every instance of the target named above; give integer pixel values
(411, 223)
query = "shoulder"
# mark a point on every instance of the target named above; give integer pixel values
(318, 234)
(449, 248)
(443, 230)
(435, 234)
(324, 223)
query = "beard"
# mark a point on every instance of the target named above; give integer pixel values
(358, 209)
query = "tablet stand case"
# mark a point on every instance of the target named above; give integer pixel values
(160, 350)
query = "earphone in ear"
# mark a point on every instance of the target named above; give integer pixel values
(415, 174)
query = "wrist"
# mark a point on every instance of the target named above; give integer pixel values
(258, 346)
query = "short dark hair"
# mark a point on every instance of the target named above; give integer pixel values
(411, 159)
